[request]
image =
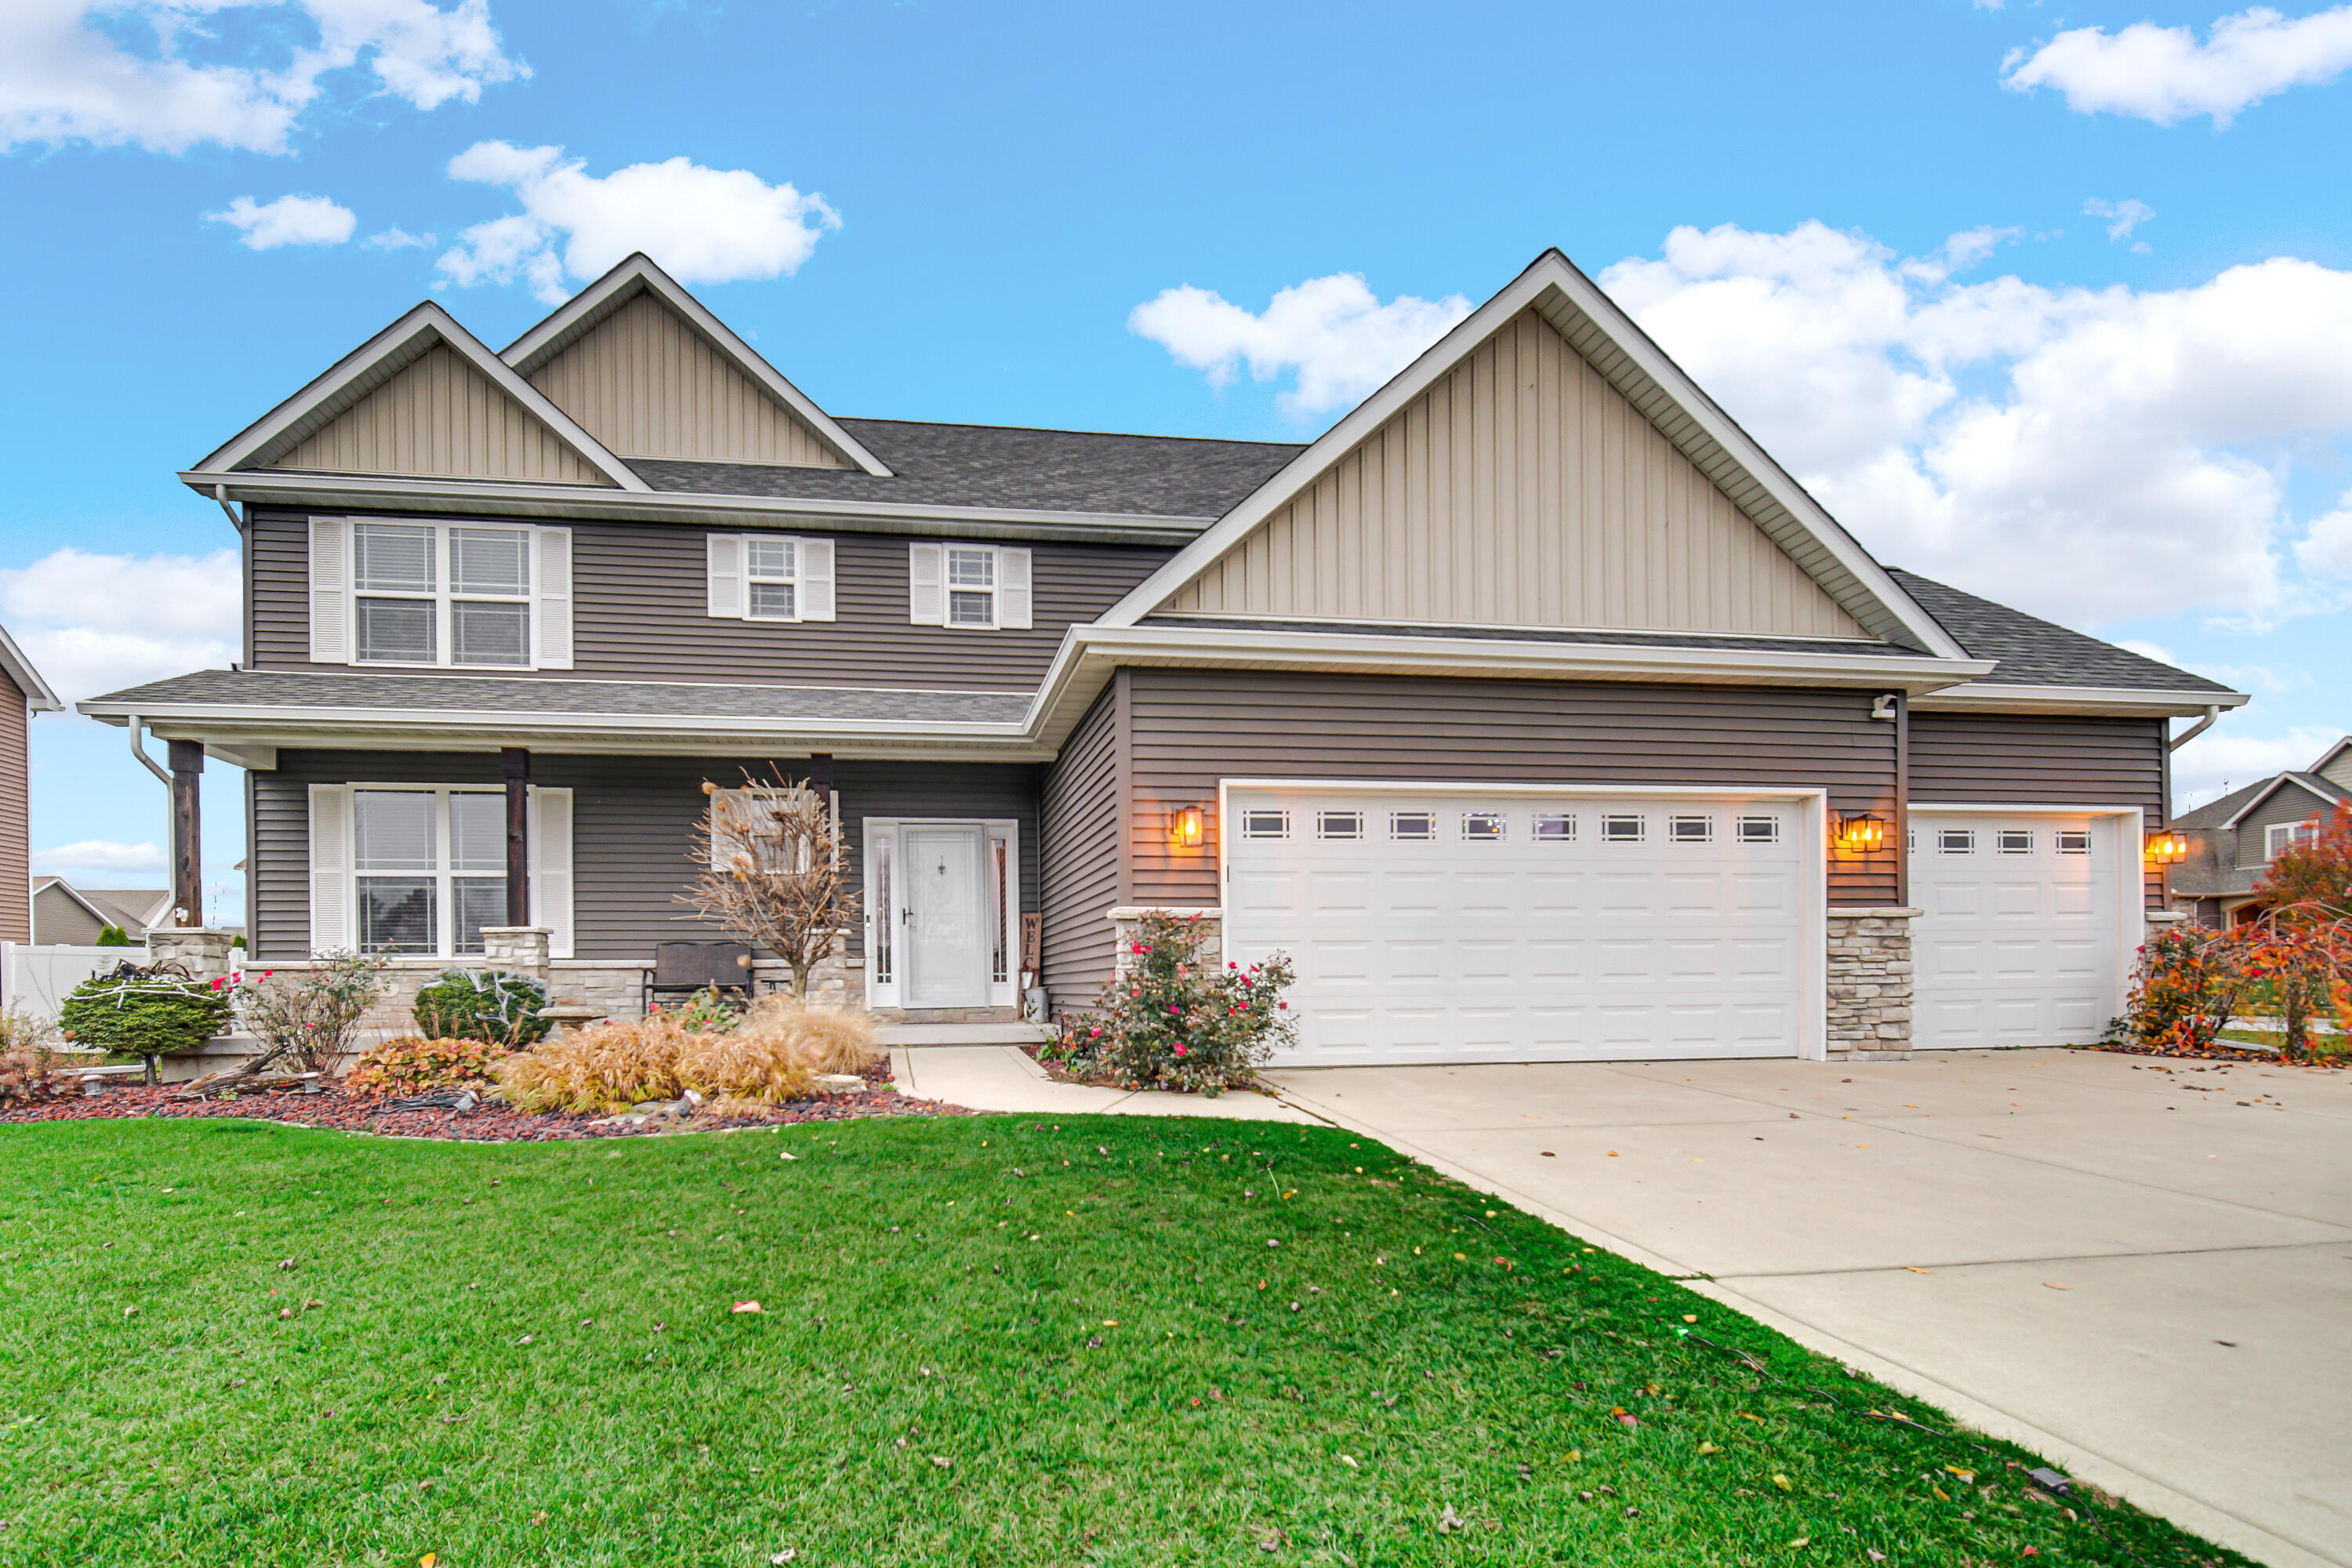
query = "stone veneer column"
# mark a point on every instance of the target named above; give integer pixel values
(1208, 920)
(519, 949)
(1870, 983)
(204, 953)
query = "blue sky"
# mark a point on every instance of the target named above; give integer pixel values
(2120, 397)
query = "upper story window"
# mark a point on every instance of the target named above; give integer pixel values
(978, 588)
(463, 595)
(441, 594)
(2281, 837)
(769, 577)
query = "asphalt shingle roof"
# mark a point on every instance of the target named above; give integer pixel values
(2034, 652)
(538, 695)
(994, 466)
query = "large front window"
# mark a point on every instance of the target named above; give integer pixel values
(442, 594)
(430, 868)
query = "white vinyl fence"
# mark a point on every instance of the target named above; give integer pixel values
(39, 977)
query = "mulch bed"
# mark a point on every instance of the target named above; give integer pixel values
(343, 1111)
(2228, 1053)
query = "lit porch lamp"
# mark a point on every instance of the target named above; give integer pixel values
(1185, 826)
(1860, 833)
(2167, 848)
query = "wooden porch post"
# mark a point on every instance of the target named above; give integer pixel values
(188, 833)
(514, 767)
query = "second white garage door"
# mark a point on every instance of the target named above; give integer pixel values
(1462, 925)
(2020, 938)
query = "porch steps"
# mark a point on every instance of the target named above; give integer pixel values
(979, 1034)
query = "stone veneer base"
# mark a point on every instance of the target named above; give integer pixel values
(1870, 983)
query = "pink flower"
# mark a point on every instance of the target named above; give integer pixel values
(1173, 1008)
(1095, 1033)
(1180, 1050)
(1138, 947)
(1283, 1006)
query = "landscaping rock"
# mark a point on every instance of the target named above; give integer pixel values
(840, 1083)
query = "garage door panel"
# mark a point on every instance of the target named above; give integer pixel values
(1528, 934)
(2021, 940)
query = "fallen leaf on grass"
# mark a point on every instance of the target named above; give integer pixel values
(1708, 1449)
(787, 1155)
(942, 1461)
(1349, 1461)
(744, 1306)
(1449, 1522)
(780, 1558)
(1783, 1482)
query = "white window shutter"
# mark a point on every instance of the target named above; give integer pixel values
(330, 573)
(551, 611)
(330, 870)
(1013, 611)
(728, 600)
(551, 867)
(927, 604)
(815, 598)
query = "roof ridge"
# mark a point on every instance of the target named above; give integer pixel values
(1064, 430)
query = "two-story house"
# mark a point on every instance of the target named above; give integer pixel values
(1532, 707)
(2230, 842)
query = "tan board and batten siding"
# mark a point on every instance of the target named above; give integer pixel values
(646, 384)
(15, 814)
(1520, 489)
(639, 598)
(442, 417)
(2003, 758)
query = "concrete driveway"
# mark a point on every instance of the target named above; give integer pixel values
(2144, 1273)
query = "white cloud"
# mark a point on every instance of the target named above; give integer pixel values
(702, 225)
(1333, 331)
(2127, 215)
(288, 220)
(2327, 549)
(2156, 651)
(2221, 760)
(92, 624)
(2165, 75)
(98, 855)
(68, 74)
(395, 239)
(2091, 455)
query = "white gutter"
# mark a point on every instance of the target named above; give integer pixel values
(2115, 701)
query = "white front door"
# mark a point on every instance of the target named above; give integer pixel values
(2021, 938)
(1461, 925)
(944, 914)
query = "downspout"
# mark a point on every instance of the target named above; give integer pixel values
(139, 749)
(2212, 715)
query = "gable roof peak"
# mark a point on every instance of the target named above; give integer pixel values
(425, 327)
(1593, 326)
(636, 274)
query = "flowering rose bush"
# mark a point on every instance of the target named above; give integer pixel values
(1171, 1022)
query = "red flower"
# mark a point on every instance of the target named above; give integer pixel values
(1180, 1050)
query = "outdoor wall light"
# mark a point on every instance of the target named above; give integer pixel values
(2166, 848)
(1185, 826)
(1863, 833)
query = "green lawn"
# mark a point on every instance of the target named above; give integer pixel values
(985, 1341)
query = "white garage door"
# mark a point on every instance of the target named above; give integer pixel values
(2020, 941)
(1507, 926)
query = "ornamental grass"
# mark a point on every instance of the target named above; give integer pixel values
(775, 1055)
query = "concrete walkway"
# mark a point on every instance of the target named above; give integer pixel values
(2144, 1274)
(1003, 1077)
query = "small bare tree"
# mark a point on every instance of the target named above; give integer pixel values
(773, 870)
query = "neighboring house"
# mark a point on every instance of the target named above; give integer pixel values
(1533, 707)
(73, 917)
(2232, 841)
(22, 693)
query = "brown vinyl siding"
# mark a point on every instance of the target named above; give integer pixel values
(442, 417)
(1079, 856)
(2002, 759)
(640, 593)
(15, 814)
(646, 384)
(1192, 727)
(633, 822)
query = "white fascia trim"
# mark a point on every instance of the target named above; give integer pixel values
(572, 320)
(1550, 272)
(2115, 701)
(528, 499)
(39, 696)
(426, 321)
(156, 714)
(2271, 789)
